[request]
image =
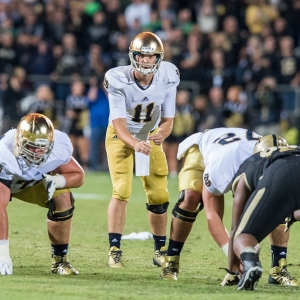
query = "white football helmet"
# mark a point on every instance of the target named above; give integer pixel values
(269, 140)
(146, 43)
(35, 139)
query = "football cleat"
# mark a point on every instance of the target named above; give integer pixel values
(252, 272)
(61, 266)
(231, 278)
(170, 268)
(159, 256)
(115, 258)
(280, 275)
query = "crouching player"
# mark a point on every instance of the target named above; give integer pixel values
(36, 166)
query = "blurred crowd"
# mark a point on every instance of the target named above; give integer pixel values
(243, 56)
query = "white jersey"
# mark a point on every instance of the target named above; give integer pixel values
(143, 109)
(15, 168)
(223, 150)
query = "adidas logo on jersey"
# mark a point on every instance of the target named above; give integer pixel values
(114, 137)
(145, 99)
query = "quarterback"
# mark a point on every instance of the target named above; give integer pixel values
(142, 108)
(211, 161)
(36, 166)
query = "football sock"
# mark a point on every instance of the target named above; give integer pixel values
(114, 240)
(159, 241)
(277, 254)
(59, 250)
(174, 248)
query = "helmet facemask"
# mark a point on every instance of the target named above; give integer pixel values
(151, 68)
(32, 157)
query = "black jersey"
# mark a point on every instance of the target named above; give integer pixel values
(253, 167)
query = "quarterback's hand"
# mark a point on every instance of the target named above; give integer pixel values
(289, 221)
(157, 138)
(6, 265)
(143, 147)
(51, 183)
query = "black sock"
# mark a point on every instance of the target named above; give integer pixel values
(114, 240)
(174, 248)
(277, 254)
(59, 250)
(159, 241)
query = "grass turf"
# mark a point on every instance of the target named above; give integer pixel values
(199, 276)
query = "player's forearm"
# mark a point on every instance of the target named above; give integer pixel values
(73, 180)
(165, 127)
(123, 133)
(218, 231)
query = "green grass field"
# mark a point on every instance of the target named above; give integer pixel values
(199, 276)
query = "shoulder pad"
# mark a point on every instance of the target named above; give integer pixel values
(171, 71)
(116, 78)
(62, 145)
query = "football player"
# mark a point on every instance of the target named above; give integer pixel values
(36, 166)
(211, 161)
(142, 108)
(259, 205)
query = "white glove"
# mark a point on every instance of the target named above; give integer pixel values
(6, 265)
(51, 183)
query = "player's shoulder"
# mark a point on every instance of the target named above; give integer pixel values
(170, 71)
(62, 144)
(8, 136)
(117, 78)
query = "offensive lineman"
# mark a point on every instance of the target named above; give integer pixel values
(215, 155)
(36, 166)
(142, 108)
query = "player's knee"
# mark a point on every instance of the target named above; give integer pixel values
(184, 214)
(60, 215)
(158, 209)
(190, 200)
(158, 196)
(123, 191)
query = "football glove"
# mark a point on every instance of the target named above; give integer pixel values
(289, 221)
(6, 265)
(51, 183)
(231, 278)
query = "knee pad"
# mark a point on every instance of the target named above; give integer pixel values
(184, 215)
(158, 209)
(65, 215)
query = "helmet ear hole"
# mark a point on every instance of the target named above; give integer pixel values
(270, 140)
(35, 138)
(146, 43)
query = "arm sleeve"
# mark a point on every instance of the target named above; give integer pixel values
(117, 105)
(168, 106)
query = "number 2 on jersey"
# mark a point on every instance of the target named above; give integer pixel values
(137, 113)
(230, 138)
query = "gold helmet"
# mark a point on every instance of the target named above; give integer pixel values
(269, 140)
(146, 43)
(35, 138)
